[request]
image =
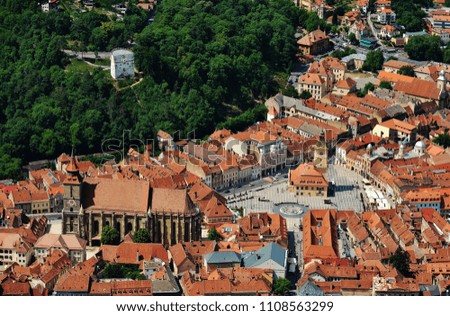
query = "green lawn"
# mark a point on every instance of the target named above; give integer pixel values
(99, 61)
(77, 65)
(103, 62)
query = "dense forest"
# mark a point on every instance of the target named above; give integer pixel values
(205, 64)
(426, 47)
(410, 14)
(215, 56)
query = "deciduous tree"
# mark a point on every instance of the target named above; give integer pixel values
(110, 236)
(141, 236)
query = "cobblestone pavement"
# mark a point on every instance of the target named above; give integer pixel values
(262, 195)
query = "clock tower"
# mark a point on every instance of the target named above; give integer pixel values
(72, 199)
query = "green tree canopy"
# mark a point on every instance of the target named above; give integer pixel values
(213, 234)
(281, 286)
(110, 236)
(424, 47)
(313, 22)
(401, 261)
(369, 87)
(141, 236)
(341, 53)
(352, 39)
(205, 64)
(407, 71)
(410, 14)
(386, 85)
(290, 91)
(374, 61)
(305, 95)
(442, 140)
(121, 271)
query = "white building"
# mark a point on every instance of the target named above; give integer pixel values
(13, 248)
(122, 64)
(50, 5)
(386, 16)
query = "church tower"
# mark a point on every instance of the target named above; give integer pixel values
(369, 150)
(321, 153)
(401, 151)
(71, 218)
(442, 86)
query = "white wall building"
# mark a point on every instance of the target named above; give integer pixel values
(122, 64)
(13, 248)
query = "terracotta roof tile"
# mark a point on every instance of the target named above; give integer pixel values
(108, 194)
(133, 253)
(171, 200)
(307, 174)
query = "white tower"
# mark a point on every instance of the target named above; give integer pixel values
(401, 151)
(442, 81)
(442, 86)
(122, 63)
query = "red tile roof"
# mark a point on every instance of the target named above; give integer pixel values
(133, 253)
(320, 240)
(312, 38)
(16, 289)
(116, 195)
(419, 88)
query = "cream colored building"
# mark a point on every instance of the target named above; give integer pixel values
(344, 87)
(393, 66)
(72, 245)
(314, 84)
(305, 4)
(396, 130)
(306, 180)
(14, 249)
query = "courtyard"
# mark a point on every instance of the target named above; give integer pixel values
(264, 196)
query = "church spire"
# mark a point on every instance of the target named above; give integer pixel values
(72, 167)
(442, 86)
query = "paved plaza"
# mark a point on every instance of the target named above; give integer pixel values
(263, 196)
(273, 197)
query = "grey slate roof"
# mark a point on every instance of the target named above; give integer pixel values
(217, 257)
(394, 110)
(288, 103)
(309, 289)
(270, 251)
(310, 129)
(346, 59)
(434, 289)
